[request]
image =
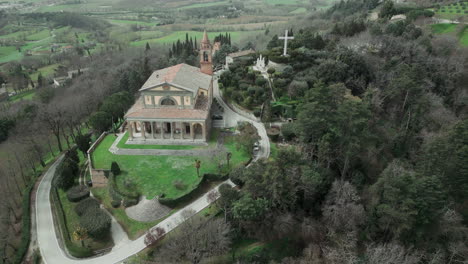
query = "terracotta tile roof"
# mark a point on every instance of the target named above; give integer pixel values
(181, 75)
(138, 111)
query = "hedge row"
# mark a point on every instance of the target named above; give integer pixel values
(75, 251)
(173, 202)
(77, 193)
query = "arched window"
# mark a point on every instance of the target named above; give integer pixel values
(168, 101)
(205, 56)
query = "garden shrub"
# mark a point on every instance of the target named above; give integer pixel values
(288, 131)
(116, 203)
(97, 223)
(77, 193)
(127, 202)
(86, 205)
(115, 168)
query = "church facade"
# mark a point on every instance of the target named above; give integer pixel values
(175, 103)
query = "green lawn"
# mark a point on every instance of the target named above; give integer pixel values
(156, 175)
(122, 145)
(443, 28)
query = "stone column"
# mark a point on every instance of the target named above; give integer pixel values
(130, 130)
(182, 130)
(172, 130)
(203, 132)
(192, 133)
(161, 130)
(143, 128)
(152, 129)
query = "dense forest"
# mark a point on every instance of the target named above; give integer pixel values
(376, 168)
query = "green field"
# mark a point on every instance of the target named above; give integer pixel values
(9, 53)
(174, 36)
(443, 28)
(131, 22)
(46, 71)
(283, 2)
(28, 95)
(155, 175)
(203, 5)
(453, 11)
(464, 37)
(300, 10)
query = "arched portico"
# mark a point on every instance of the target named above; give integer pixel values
(166, 130)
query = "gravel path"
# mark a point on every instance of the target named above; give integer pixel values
(148, 210)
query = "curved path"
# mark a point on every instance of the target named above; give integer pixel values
(48, 243)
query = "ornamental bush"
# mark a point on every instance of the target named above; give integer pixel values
(77, 193)
(86, 205)
(96, 222)
(115, 168)
(129, 202)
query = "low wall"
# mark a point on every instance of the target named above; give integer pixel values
(98, 176)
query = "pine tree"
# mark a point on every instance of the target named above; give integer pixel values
(147, 46)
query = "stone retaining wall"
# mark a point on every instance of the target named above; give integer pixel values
(98, 176)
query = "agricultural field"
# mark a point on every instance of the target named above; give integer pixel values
(457, 30)
(452, 11)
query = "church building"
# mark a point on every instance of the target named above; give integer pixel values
(175, 103)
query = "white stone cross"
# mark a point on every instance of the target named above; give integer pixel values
(285, 42)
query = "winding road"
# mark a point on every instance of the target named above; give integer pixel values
(47, 237)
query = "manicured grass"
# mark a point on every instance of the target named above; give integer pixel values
(122, 145)
(443, 28)
(204, 5)
(156, 175)
(133, 228)
(299, 11)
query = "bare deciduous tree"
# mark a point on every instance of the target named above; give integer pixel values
(392, 253)
(195, 240)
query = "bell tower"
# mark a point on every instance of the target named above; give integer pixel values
(206, 63)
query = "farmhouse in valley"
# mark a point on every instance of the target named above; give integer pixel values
(175, 103)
